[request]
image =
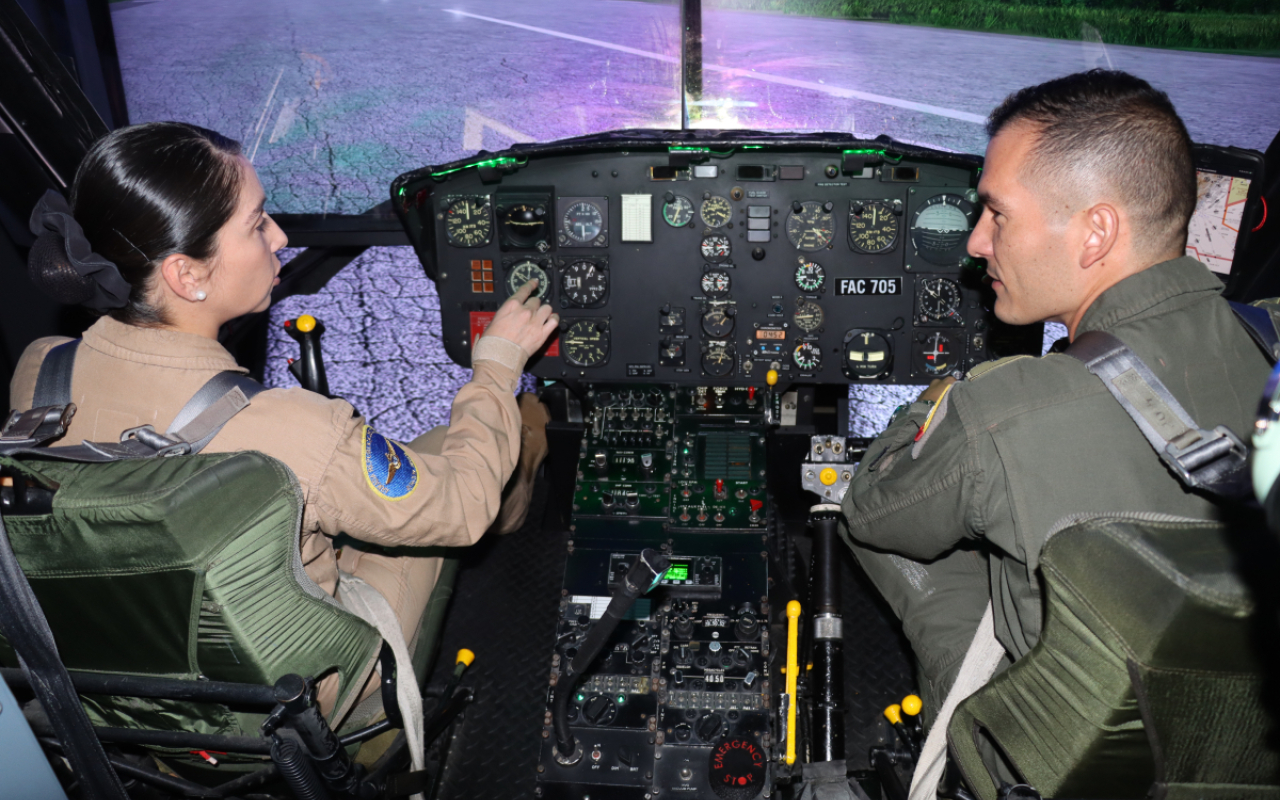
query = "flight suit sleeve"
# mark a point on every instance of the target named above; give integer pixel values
(914, 493)
(382, 491)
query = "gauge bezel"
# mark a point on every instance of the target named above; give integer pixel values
(566, 350)
(566, 239)
(822, 276)
(804, 302)
(919, 364)
(504, 202)
(950, 257)
(897, 222)
(716, 294)
(447, 205)
(715, 259)
(693, 211)
(601, 263)
(728, 211)
(816, 348)
(930, 320)
(509, 266)
(708, 309)
(885, 371)
(728, 349)
(806, 207)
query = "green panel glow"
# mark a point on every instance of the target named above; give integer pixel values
(678, 572)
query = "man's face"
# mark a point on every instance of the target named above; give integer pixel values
(1022, 235)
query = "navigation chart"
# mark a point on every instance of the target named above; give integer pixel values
(1211, 236)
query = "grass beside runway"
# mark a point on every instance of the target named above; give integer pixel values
(1206, 30)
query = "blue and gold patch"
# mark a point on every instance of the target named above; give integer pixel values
(387, 467)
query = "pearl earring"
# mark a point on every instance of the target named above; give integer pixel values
(200, 295)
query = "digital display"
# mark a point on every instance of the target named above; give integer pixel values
(677, 572)
(766, 333)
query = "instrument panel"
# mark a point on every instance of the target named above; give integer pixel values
(826, 258)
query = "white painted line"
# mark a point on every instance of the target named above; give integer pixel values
(834, 91)
(473, 126)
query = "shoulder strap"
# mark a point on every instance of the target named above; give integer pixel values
(213, 405)
(1214, 461)
(53, 383)
(1261, 326)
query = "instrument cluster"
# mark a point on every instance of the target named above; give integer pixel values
(840, 261)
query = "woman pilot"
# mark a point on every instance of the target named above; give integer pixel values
(174, 216)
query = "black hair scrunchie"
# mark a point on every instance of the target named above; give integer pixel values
(63, 264)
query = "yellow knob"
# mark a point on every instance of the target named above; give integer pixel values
(828, 476)
(771, 377)
(465, 657)
(793, 609)
(911, 705)
(306, 323)
(893, 713)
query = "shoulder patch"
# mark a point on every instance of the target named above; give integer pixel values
(388, 469)
(988, 366)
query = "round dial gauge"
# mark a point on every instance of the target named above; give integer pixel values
(936, 355)
(524, 224)
(874, 225)
(808, 316)
(810, 226)
(939, 300)
(586, 343)
(582, 222)
(808, 356)
(525, 271)
(584, 283)
(716, 211)
(716, 248)
(717, 322)
(715, 283)
(867, 356)
(678, 211)
(468, 223)
(719, 359)
(810, 276)
(940, 229)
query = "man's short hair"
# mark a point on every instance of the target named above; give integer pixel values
(1105, 125)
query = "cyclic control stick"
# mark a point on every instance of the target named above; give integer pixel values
(644, 574)
(828, 636)
(309, 367)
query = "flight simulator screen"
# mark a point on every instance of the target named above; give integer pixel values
(332, 99)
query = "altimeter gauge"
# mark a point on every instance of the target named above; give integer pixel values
(810, 226)
(468, 222)
(586, 342)
(810, 276)
(716, 212)
(584, 283)
(874, 225)
(524, 271)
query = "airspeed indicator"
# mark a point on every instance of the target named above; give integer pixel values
(874, 225)
(468, 222)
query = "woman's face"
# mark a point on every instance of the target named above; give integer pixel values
(245, 267)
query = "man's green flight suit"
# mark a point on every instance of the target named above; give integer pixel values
(946, 520)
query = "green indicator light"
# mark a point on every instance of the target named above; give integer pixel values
(402, 191)
(580, 697)
(863, 152)
(678, 572)
(622, 698)
(753, 147)
(677, 149)
(501, 161)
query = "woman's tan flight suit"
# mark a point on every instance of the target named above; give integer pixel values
(444, 489)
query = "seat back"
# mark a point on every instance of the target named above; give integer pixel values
(1145, 673)
(182, 568)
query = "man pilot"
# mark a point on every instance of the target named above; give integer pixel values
(1087, 191)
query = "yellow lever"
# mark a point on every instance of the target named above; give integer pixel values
(306, 323)
(911, 705)
(771, 377)
(793, 673)
(894, 714)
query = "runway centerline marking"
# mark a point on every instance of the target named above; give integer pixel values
(834, 91)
